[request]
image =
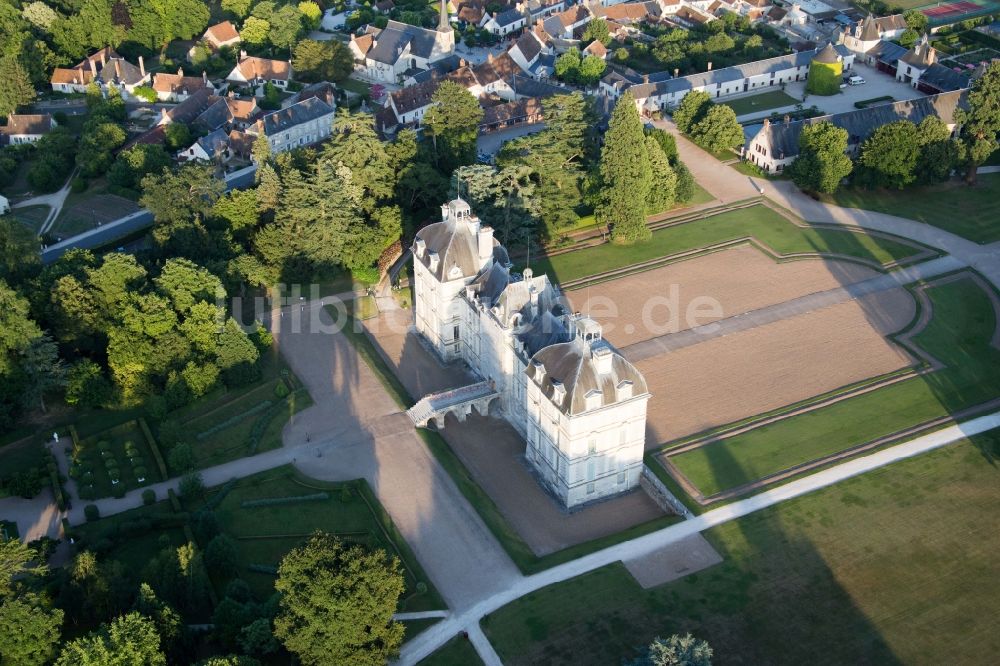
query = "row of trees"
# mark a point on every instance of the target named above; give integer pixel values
(712, 126)
(899, 154)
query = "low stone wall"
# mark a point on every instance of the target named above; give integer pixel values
(661, 495)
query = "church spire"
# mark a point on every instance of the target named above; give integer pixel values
(443, 25)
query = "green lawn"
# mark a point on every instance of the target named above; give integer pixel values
(701, 196)
(32, 216)
(885, 568)
(264, 534)
(761, 222)
(972, 212)
(763, 102)
(456, 652)
(135, 549)
(219, 426)
(958, 335)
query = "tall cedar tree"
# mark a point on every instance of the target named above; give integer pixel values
(625, 175)
(980, 122)
(453, 125)
(662, 192)
(337, 603)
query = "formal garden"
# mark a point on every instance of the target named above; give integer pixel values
(115, 461)
(870, 570)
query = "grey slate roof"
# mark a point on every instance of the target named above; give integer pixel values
(215, 116)
(508, 17)
(784, 138)
(572, 365)
(827, 54)
(887, 52)
(214, 143)
(456, 246)
(391, 41)
(944, 79)
(729, 74)
(296, 114)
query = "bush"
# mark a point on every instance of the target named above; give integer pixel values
(145, 93)
(78, 185)
(91, 512)
(204, 525)
(181, 458)
(281, 390)
(191, 485)
(220, 556)
(148, 496)
(140, 473)
(25, 484)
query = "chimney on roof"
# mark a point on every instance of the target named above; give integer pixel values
(118, 69)
(645, 78)
(710, 65)
(788, 119)
(243, 55)
(93, 67)
(142, 67)
(489, 57)
(103, 55)
(677, 72)
(767, 123)
(180, 71)
(204, 77)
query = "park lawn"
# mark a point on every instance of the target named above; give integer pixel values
(700, 196)
(878, 569)
(89, 466)
(765, 101)
(958, 335)
(32, 216)
(362, 307)
(220, 424)
(137, 549)
(761, 222)
(413, 628)
(456, 652)
(971, 212)
(265, 534)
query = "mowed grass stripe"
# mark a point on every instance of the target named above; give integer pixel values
(959, 335)
(760, 222)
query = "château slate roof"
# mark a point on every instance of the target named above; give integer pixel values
(827, 55)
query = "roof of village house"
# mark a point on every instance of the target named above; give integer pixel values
(171, 83)
(242, 109)
(222, 33)
(891, 23)
(776, 13)
(364, 42)
(324, 90)
(565, 19)
(628, 11)
(390, 42)
(214, 143)
(727, 74)
(511, 111)
(241, 142)
(869, 30)
(571, 375)
(215, 116)
(783, 138)
(296, 114)
(922, 55)
(528, 45)
(82, 73)
(27, 124)
(253, 67)
(887, 52)
(828, 54)
(529, 87)
(192, 107)
(596, 48)
(508, 17)
(945, 79)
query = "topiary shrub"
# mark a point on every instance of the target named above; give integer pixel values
(281, 390)
(148, 496)
(140, 473)
(91, 512)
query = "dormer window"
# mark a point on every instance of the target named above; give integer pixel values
(432, 260)
(539, 370)
(558, 391)
(594, 399)
(624, 389)
(454, 272)
(421, 247)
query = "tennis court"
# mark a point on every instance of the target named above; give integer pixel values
(940, 13)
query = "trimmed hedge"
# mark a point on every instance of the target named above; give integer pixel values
(274, 501)
(174, 502)
(76, 439)
(154, 447)
(264, 420)
(216, 499)
(874, 100)
(148, 496)
(263, 568)
(233, 420)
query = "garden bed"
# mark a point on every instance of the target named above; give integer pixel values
(113, 462)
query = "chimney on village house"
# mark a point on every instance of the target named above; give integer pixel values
(645, 78)
(180, 71)
(243, 55)
(710, 65)
(103, 56)
(118, 69)
(204, 77)
(677, 72)
(767, 123)
(142, 67)
(788, 119)
(485, 241)
(93, 67)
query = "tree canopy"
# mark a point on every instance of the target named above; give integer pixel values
(822, 163)
(452, 123)
(980, 122)
(626, 175)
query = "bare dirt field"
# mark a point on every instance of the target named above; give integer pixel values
(657, 302)
(493, 452)
(736, 376)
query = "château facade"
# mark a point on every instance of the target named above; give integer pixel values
(578, 403)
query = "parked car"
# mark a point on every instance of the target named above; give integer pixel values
(856, 81)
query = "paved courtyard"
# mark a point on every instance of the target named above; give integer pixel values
(494, 454)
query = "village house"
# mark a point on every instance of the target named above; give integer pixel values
(25, 128)
(390, 54)
(301, 124)
(219, 36)
(658, 96)
(534, 53)
(105, 68)
(178, 87)
(562, 25)
(579, 404)
(776, 145)
(254, 73)
(505, 22)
